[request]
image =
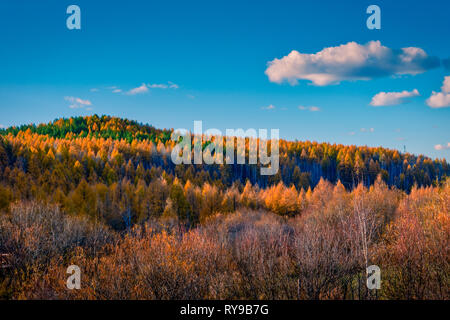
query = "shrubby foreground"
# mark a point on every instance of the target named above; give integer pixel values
(273, 243)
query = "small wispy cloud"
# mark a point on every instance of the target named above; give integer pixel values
(310, 108)
(392, 98)
(169, 85)
(442, 147)
(114, 89)
(269, 107)
(145, 87)
(173, 85)
(2, 126)
(139, 90)
(363, 130)
(440, 99)
(78, 103)
(158, 86)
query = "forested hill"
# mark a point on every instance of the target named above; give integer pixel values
(107, 149)
(94, 126)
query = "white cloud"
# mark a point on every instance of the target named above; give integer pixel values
(114, 89)
(83, 102)
(442, 147)
(77, 103)
(440, 99)
(446, 85)
(94, 90)
(392, 98)
(350, 61)
(269, 107)
(173, 85)
(2, 126)
(169, 85)
(311, 108)
(157, 86)
(142, 89)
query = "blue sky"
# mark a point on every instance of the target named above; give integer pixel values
(208, 60)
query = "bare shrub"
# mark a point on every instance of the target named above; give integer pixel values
(34, 234)
(416, 254)
(260, 246)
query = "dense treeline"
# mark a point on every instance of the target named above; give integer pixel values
(99, 143)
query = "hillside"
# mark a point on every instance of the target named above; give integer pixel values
(302, 163)
(102, 193)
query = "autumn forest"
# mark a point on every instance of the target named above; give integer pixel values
(102, 193)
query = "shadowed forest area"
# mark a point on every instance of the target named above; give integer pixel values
(102, 193)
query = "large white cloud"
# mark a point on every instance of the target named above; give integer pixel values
(441, 99)
(351, 61)
(392, 98)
